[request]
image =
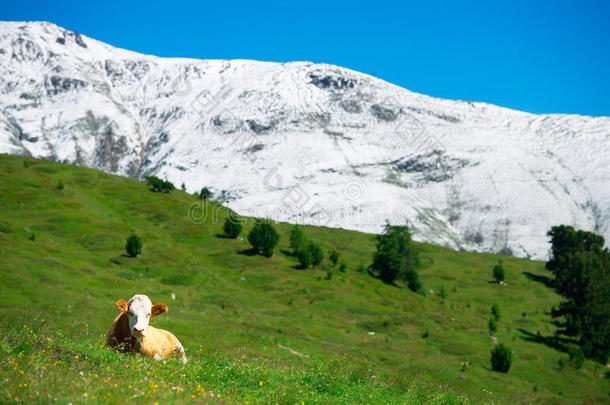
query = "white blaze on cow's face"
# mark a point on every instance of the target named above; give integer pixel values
(139, 312)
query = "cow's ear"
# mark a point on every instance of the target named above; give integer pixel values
(122, 306)
(158, 309)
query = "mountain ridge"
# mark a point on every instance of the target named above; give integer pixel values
(306, 143)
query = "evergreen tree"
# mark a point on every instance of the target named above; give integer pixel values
(310, 255)
(495, 311)
(501, 358)
(498, 272)
(396, 257)
(493, 326)
(158, 185)
(133, 245)
(263, 238)
(317, 255)
(304, 257)
(232, 226)
(297, 240)
(581, 267)
(205, 193)
(334, 257)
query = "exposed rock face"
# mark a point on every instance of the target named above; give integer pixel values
(304, 142)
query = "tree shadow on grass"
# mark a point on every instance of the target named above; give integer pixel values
(540, 279)
(247, 252)
(286, 252)
(223, 236)
(390, 283)
(553, 342)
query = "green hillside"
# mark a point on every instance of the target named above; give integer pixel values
(256, 330)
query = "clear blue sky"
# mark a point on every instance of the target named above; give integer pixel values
(537, 56)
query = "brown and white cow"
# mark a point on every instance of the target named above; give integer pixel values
(130, 331)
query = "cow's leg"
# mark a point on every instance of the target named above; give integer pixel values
(179, 350)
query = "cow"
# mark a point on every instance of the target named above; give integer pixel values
(130, 331)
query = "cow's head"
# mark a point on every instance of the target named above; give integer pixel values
(139, 309)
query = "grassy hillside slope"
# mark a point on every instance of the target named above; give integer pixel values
(352, 339)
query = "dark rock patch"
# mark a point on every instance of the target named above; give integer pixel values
(56, 85)
(25, 50)
(433, 166)
(254, 148)
(383, 113)
(351, 106)
(334, 82)
(78, 39)
(441, 116)
(257, 127)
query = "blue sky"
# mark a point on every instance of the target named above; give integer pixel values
(537, 56)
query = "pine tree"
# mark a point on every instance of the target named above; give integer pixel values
(581, 267)
(232, 226)
(396, 257)
(263, 238)
(133, 245)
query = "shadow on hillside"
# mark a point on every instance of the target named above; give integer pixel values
(540, 279)
(223, 236)
(390, 283)
(553, 342)
(286, 252)
(247, 252)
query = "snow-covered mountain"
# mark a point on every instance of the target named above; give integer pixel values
(306, 143)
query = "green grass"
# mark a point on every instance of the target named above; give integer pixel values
(62, 267)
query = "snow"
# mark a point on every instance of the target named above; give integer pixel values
(306, 143)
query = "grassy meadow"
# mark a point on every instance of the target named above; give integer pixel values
(256, 330)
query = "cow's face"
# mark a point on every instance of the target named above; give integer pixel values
(140, 310)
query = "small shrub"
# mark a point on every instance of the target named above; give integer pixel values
(157, 185)
(304, 257)
(333, 256)
(577, 357)
(442, 293)
(26, 164)
(32, 237)
(133, 246)
(329, 275)
(425, 335)
(205, 193)
(263, 238)
(493, 326)
(498, 272)
(501, 358)
(5, 228)
(232, 226)
(59, 185)
(297, 240)
(495, 311)
(317, 255)
(342, 267)
(183, 187)
(310, 255)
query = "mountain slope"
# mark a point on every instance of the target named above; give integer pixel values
(306, 143)
(62, 267)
